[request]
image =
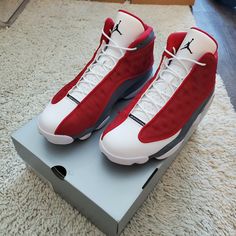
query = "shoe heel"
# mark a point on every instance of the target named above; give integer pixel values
(134, 89)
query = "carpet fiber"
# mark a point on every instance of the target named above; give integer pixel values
(47, 45)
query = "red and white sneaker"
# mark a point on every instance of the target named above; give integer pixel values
(160, 119)
(119, 67)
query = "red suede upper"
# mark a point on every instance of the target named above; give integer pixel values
(63, 92)
(197, 87)
(87, 113)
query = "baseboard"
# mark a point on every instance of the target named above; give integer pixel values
(160, 2)
(116, 1)
(164, 2)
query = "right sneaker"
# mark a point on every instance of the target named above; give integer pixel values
(161, 118)
(118, 69)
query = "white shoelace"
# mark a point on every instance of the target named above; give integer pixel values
(89, 84)
(155, 87)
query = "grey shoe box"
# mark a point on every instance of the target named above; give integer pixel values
(106, 193)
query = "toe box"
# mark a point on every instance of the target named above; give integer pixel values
(54, 114)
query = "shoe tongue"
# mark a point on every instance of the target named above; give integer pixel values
(126, 29)
(195, 44)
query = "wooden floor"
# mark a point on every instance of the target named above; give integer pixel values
(220, 21)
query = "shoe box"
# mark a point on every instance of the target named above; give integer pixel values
(106, 193)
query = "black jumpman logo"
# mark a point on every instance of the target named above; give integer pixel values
(186, 46)
(116, 28)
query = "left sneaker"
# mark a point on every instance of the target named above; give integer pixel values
(118, 69)
(164, 114)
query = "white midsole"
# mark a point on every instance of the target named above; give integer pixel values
(122, 160)
(56, 138)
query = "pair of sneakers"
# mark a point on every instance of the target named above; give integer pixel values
(165, 107)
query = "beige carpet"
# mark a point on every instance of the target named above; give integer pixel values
(47, 45)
